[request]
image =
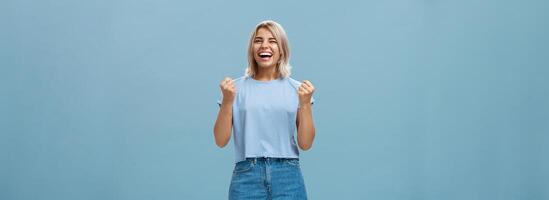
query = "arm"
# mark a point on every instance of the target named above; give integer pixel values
(305, 125)
(224, 122)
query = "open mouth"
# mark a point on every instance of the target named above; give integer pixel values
(265, 55)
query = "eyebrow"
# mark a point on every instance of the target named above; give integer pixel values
(262, 38)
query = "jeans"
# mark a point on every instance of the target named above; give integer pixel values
(267, 178)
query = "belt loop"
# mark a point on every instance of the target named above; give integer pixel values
(255, 160)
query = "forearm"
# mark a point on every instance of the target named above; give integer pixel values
(223, 124)
(306, 128)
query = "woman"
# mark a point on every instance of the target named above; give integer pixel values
(264, 108)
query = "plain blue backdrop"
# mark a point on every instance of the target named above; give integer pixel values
(416, 99)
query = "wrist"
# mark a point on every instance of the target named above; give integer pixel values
(226, 102)
(305, 105)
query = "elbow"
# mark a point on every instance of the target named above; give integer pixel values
(219, 141)
(220, 145)
(306, 141)
(305, 146)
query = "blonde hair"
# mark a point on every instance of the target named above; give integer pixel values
(283, 65)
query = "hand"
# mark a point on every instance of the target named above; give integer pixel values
(305, 92)
(228, 89)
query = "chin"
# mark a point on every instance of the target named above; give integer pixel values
(265, 64)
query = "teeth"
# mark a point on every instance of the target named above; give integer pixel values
(265, 54)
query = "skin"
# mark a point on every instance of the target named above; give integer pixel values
(265, 42)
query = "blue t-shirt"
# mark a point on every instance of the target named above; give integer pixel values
(264, 118)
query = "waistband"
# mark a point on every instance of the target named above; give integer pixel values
(269, 159)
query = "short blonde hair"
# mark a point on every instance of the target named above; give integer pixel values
(283, 65)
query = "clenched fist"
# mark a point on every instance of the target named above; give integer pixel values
(228, 89)
(305, 92)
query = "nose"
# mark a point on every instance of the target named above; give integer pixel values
(264, 44)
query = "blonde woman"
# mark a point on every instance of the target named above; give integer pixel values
(264, 109)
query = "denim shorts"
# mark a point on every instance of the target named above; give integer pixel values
(267, 178)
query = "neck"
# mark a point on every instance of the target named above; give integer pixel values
(265, 74)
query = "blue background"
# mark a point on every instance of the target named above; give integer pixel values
(416, 99)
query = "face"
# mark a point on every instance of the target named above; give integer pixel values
(265, 48)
